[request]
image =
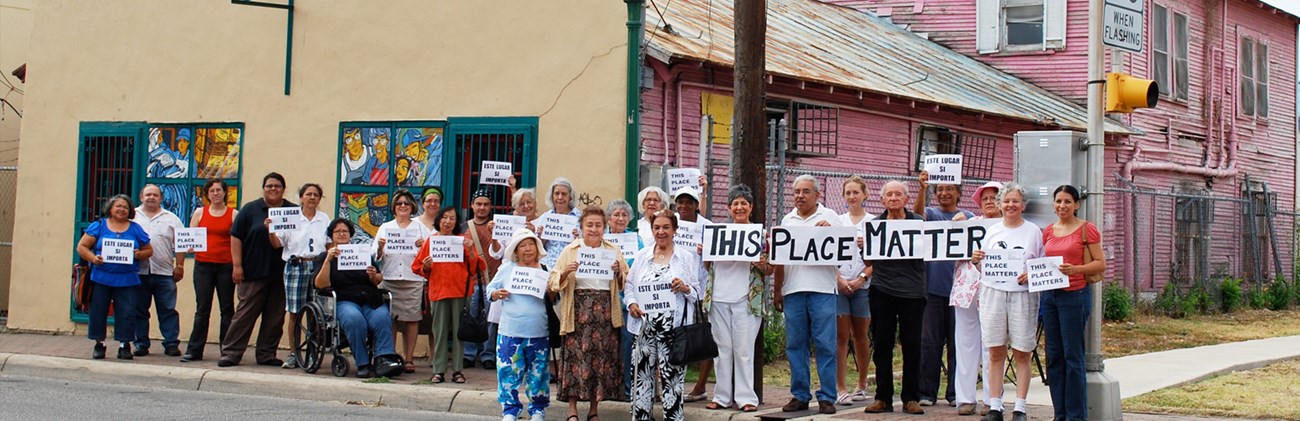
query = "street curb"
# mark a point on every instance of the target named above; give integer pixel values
(1227, 370)
(424, 398)
(4, 358)
(103, 371)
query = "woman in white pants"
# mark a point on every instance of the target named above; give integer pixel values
(734, 301)
(971, 354)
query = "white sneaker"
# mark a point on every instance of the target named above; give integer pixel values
(290, 362)
(926, 402)
(845, 399)
(509, 418)
(540, 416)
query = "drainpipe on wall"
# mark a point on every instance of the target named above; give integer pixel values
(632, 150)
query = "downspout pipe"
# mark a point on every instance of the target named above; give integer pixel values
(632, 148)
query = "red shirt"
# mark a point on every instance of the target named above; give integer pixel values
(218, 236)
(1070, 248)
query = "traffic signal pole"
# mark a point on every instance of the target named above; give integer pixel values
(1103, 390)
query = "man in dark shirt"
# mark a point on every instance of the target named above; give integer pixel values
(940, 322)
(897, 306)
(259, 279)
(485, 354)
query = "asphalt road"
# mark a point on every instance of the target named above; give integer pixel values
(29, 398)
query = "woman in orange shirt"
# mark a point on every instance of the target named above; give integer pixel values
(449, 284)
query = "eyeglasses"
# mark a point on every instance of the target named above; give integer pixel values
(337, 232)
(408, 204)
(273, 186)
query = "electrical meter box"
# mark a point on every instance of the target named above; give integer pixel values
(1044, 161)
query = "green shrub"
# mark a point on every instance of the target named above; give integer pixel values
(1116, 304)
(1278, 295)
(1170, 302)
(774, 338)
(1198, 301)
(1256, 299)
(1230, 295)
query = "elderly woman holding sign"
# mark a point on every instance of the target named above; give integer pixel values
(735, 301)
(970, 350)
(562, 200)
(398, 241)
(450, 282)
(662, 284)
(114, 246)
(523, 343)
(1008, 311)
(360, 306)
(651, 199)
(1066, 311)
(588, 276)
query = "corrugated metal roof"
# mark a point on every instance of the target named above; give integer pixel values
(818, 42)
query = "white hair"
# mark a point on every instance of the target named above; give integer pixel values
(640, 197)
(817, 186)
(900, 184)
(573, 195)
(619, 204)
(1011, 187)
(517, 199)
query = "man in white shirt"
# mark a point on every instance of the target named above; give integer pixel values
(806, 294)
(158, 277)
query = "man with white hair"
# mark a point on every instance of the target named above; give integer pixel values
(158, 277)
(897, 308)
(806, 294)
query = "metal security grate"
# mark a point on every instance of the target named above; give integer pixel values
(977, 156)
(478, 147)
(809, 129)
(107, 163)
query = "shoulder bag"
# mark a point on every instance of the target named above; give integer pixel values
(1087, 256)
(473, 324)
(692, 343)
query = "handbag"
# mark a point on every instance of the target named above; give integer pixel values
(1087, 256)
(691, 343)
(473, 324)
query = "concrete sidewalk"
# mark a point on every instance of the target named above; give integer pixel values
(67, 357)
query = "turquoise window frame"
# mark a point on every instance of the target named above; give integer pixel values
(190, 180)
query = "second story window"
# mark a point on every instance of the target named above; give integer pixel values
(1253, 69)
(1019, 25)
(1022, 23)
(1169, 47)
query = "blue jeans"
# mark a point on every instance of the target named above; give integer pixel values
(486, 351)
(162, 289)
(360, 321)
(1065, 319)
(810, 319)
(123, 300)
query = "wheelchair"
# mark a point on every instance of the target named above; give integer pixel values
(318, 331)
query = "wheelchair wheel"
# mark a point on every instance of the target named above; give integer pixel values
(309, 341)
(340, 366)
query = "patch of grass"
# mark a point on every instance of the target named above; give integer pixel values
(1147, 333)
(423, 382)
(1266, 393)
(380, 379)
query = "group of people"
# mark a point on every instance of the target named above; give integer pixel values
(595, 335)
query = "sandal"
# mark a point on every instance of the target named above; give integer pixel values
(590, 416)
(573, 417)
(410, 367)
(437, 378)
(457, 377)
(714, 405)
(748, 408)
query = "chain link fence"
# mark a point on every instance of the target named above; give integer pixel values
(8, 198)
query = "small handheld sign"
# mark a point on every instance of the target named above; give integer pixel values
(190, 240)
(495, 172)
(943, 169)
(556, 227)
(1045, 274)
(596, 263)
(527, 281)
(627, 242)
(401, 241)
(688, 235)
(353, 256)
(683, 177)
(657, 297)
(118, 251)
(999, 268)
(284, 219)
(504, 226)
(446, 248)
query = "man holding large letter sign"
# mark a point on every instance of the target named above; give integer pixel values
(897, 306)
(806, 294)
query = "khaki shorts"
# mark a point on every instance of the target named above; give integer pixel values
(1009, 317)
(407, 298)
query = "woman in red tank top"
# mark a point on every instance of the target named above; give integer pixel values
(212, 268)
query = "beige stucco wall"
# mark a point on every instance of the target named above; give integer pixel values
(15, 28)
(211, 61)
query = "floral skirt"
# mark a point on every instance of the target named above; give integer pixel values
(592, 369)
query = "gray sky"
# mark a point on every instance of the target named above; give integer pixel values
(1291, 6)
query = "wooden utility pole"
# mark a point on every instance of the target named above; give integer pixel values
(749, 146)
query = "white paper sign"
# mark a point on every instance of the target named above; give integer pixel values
(1045, 274)
(527, 281)
(656, 297)
(596, 263)
(118, 251)
(999, 268)
(628, 242)
(495, 172)
(191, 240)
(504, 226)
(446, 248)
(944, 169)
(688, 235)
(557, 227)
(353, 256)
(284, 219)
(733, 242)
(890, 239)
(809, 246)
(683, 177)
(401, 241)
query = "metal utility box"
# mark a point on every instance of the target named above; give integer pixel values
(1045, 160)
